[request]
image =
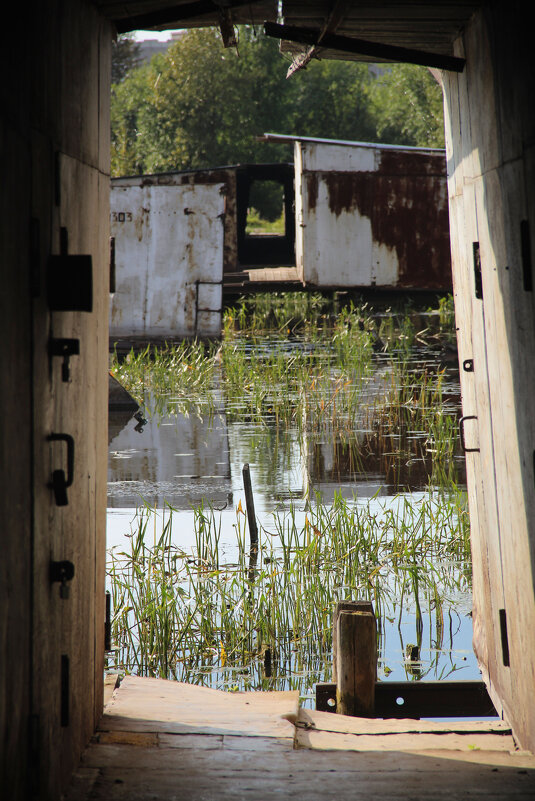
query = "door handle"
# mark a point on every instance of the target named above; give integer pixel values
(60, 481)
(461, 433)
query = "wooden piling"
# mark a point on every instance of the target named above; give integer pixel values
(249, 500)
(346, 606)
(356, 663)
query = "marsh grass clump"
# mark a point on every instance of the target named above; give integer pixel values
(312, 374)
(175, 375)
(216, 617)
(332, 372)
(415, 418)
(287, 313)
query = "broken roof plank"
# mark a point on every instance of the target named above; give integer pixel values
(374, 50)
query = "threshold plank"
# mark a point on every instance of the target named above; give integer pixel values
(158, 705)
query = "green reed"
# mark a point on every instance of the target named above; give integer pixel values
(185, 369)
(283, 312)
(263, 618)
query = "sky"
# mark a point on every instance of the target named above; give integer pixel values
(162, 36)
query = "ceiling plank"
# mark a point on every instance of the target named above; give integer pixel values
(179, 13)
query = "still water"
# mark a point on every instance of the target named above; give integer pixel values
(185, 459)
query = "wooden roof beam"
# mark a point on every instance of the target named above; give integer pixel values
(179, 13)
(335, 17)
(361, 47)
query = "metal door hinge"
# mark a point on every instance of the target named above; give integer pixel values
(525, 246)
(65, 691)
(478, 280)
(62, 572)
(64, 348)
(504, 637)
(468, 365)
(107, 624)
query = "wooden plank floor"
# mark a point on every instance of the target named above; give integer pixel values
(273, 274)
(165, 740)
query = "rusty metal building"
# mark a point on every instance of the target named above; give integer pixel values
(354, 215)
(371, 216)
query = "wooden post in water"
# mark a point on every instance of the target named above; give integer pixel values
(249, 500)
(356, 662)
(346, 606)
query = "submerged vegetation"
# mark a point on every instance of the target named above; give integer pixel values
(358, 382)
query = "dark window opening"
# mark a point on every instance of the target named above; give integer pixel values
(265, 207)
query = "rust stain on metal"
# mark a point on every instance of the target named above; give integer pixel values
(346, 190)
(413, 164)
(406, 203)
(190, 306)
(141, 221)
(230, 224)
(198, 177)
(312, 190)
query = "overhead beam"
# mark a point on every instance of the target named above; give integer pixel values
(178, 13)
(334, 19)
(345, 44)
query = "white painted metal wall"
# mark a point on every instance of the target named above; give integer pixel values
(338, 241)
(169, 260)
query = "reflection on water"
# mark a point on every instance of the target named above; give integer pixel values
(175, 459)
(182, 459)
(187, 458)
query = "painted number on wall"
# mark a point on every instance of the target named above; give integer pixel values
(121, 216)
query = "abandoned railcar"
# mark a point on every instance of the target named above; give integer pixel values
(352, 215)
(370, 215)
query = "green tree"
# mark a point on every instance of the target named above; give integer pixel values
(406, 103)
(130, 120)
(331, 100)
(124, 57)
(208, 104)
(201, 105)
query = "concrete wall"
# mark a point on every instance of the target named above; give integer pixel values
(54, 134)
(490, 129)
(371, 216)
(169, 256)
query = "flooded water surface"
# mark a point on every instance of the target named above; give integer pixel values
(349, 425)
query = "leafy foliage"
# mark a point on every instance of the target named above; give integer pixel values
(124, 57)
(201, 105)
(332, 100)
(407, 107)
(131, 122)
